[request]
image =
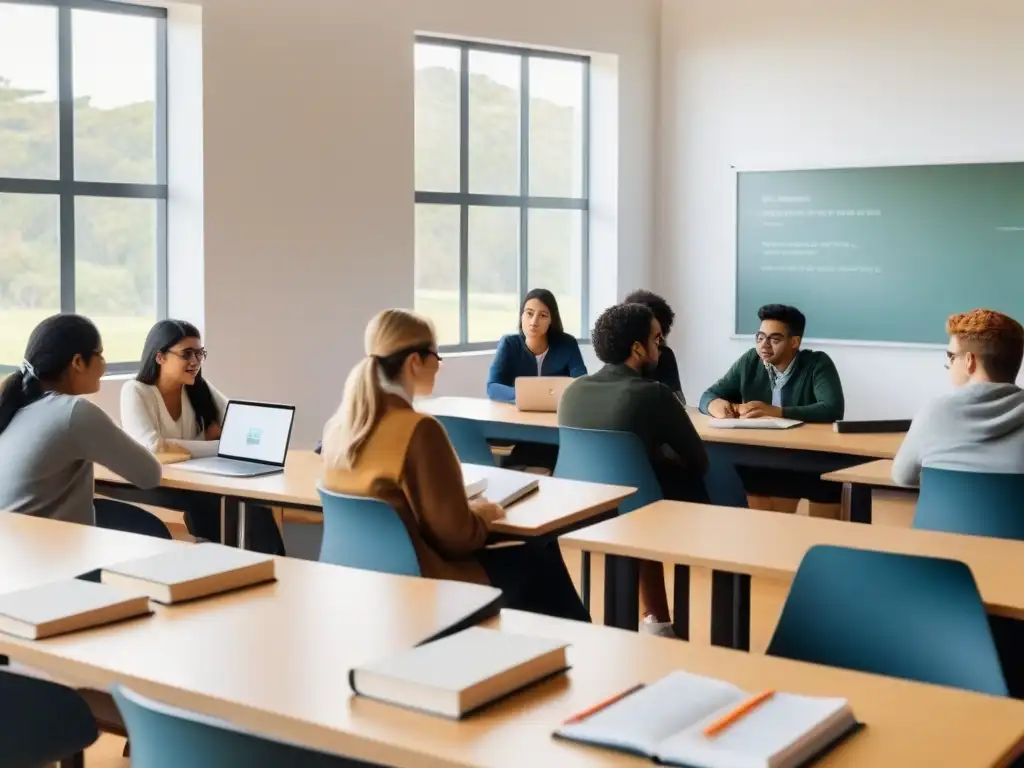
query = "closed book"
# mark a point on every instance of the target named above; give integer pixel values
(192, 572)
(888, 426)
(700, 722)
(460, 673)
(67, 606)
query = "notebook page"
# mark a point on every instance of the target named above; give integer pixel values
(642, 721)
(759, 736)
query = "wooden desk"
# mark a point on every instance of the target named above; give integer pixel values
(557, 507)
(736, 544)
(812, 448)
(36, 550)
(860, 484)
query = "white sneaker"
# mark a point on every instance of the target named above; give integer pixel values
(659, 628)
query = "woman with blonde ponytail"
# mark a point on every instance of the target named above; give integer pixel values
(377, 445)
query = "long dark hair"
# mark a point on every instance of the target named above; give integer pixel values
(161, 338)
(51, 348)
(547, 298)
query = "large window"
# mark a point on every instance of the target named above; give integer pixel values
(83, 170)
(501, 186)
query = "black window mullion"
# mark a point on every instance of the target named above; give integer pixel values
(524, 175)
(66, 132)
(464, 190)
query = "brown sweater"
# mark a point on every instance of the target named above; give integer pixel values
(409, 462)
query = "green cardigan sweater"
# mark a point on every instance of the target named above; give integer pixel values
(813, 392)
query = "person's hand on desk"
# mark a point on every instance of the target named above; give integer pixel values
(213, 432)
(171, 453)
(758, 410)
(722, 409)
(486, 511)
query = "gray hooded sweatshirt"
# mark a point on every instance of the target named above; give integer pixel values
(977, 428)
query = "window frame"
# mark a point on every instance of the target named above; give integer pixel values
(524, 202)
(66, 188)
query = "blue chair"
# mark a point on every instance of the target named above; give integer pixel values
(919, 618)
(614, 458)
(167, 737)
(43, 723)
(121, 516)
(365, 533)
(468, 438)
(972, 503)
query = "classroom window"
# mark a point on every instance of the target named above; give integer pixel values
(83, 170)
(502, 178)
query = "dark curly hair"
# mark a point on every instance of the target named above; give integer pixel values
(662, 311)
(618, 329)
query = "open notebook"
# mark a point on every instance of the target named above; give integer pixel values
(765, 423)
(665, 721)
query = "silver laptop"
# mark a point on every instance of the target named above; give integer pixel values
(540, 393)
(253, 441)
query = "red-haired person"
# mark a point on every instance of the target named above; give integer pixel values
(979, 427)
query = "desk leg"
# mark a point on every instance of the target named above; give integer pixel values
(730, 610)
(681, 602)
(243, 515)
(860, 503)
(585, 579)
(621, 592)
(229, 521)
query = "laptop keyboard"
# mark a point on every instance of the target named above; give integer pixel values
(230, 467)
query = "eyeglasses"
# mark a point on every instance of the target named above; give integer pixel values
(190, 355)
(775, 339)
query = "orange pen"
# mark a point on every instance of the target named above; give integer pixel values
(741, 709)
(603, 705)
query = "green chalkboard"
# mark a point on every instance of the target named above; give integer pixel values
(881, 254)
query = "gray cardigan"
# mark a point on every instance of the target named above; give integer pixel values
(47, 454)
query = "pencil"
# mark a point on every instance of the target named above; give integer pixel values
(603, 705)
(741, 709)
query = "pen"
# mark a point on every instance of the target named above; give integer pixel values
(742, 709)
(603, 705)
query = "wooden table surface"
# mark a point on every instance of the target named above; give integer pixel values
(556, 505)
(875, 473)
(807, 437)
(771, 545)
(35, 550)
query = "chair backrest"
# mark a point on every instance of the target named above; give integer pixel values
(972, 503)
(919, 618)
(468, 438)
(43, 722)
(366, 533)
(163, 736)
(121, 516)
(616, 458)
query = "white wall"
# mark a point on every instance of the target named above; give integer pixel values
(804, 83)
(309, 173)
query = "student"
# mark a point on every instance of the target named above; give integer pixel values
(624, 397)
(171, 408)
(50, 436)
(777, 378)
(377, 445)
(541, 348)
(980, 426)
(667, 371)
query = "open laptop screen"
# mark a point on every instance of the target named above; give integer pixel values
(256, 432)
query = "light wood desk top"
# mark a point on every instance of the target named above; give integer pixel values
(771, 545)
(36, 550)
(875, 473)
(556, 505)
(807, 437)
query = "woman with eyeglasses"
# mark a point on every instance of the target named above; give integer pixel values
(171, 408)
(51, 436)
(377, 445)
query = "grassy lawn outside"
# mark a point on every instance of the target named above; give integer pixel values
(122, 336)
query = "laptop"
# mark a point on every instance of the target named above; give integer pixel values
(540, 393)
(253, 441)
